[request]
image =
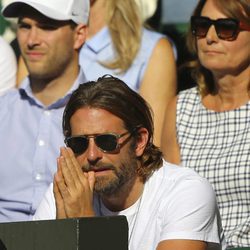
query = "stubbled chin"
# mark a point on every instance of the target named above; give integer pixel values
(104, 183)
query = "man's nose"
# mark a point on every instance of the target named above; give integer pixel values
(94, 154)
(33, 37)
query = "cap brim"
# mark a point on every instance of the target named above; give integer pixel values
(13, 10)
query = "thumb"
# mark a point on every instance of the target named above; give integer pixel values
(91, 179)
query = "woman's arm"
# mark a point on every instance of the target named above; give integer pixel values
(169, 144)
(159, 83)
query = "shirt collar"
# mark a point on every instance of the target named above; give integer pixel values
(26, 92)
(99, 41)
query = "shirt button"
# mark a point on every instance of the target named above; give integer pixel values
(47, 112)
(38, 177)
(41, 143)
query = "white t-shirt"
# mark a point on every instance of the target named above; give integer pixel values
(8, 67)
(176, 204)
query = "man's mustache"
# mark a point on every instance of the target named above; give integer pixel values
(98, 167)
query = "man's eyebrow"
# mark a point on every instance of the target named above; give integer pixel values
(20, 20)
(46, 22)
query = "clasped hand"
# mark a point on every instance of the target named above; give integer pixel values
(73, 188)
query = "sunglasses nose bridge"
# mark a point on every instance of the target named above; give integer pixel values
(212, 31)
(93, 152)
(91, 140)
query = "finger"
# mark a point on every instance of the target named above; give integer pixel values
(61, 180)
(60, 210)
(70, 162)
(69, 179)
(91, 179)
(58, 177)
(59, 169)
(78, 171)
(74, 162)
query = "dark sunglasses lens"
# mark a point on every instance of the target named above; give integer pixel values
(77, 144)
(226, 29)
(200, 26)
(106, 142)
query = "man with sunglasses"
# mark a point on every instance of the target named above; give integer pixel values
(50, 34)
(207, 127)
(111, 167)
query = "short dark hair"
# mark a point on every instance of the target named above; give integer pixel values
(26, 9)
(113, 95)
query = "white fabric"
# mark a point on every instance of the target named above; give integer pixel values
(76, 10)
(8, 67)
(147, 8)
(176, 204)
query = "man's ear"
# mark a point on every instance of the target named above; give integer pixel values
(141, 142)
(81, 32)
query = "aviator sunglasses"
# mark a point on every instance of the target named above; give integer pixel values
(226, 28)
(107, 142)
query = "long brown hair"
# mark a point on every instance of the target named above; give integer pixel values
(112, 94)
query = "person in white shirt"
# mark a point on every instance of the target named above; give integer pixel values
(111, 167)
(8, 67)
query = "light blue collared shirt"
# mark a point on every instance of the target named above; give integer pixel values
(31, 136)
(99, 49)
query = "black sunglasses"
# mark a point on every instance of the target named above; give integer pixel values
(107, 142)
(226, 28)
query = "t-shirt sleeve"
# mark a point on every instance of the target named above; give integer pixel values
(47, 208)
(192, 213)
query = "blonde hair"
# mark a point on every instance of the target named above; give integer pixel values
(239, 10)
(125, 27)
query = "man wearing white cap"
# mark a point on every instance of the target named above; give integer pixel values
(50, 34)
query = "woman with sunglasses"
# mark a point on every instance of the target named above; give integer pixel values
(207, 127)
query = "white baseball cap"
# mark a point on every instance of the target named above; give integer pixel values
(75, 10)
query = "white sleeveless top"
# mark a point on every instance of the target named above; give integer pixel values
(217, 146)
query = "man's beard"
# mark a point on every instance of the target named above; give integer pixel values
(123, 174)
